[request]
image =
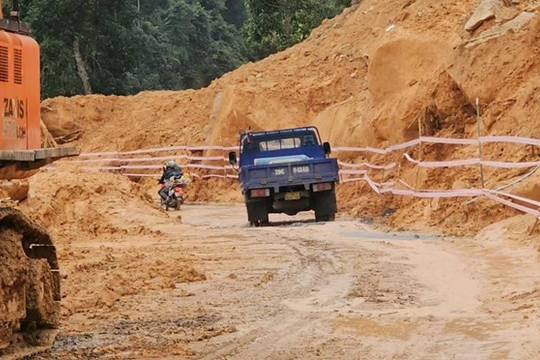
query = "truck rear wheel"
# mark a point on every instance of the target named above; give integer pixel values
(326, 217)
(257, 212)
(259, 223)
(325, 205)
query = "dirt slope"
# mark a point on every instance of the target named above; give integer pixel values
(367, 77)
(98, 211)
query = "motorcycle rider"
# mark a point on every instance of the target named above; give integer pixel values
(170, 170)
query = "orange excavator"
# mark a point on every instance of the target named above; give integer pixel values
(29, 277)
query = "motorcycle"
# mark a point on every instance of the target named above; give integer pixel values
(175, 192)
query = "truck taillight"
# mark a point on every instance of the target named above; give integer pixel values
(322, 187)
(260, 193)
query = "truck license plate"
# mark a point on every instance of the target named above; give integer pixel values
(292, 196)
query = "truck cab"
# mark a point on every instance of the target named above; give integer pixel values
(286, 171)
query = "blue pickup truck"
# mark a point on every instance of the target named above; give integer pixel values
(286, 171)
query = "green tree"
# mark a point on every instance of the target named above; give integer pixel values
(86, 45)
(125, 46)
(235, 12)
(205, 45)
(274, 25)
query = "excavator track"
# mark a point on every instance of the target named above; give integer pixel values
(29, 286)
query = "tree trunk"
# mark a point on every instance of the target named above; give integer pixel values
(81, 67)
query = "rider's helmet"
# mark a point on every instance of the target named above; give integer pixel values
(171, 164)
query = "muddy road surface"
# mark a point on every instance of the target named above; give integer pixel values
(207, 286)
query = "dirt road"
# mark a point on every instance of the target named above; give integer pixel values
(209, 287)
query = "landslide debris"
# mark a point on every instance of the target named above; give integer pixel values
(104, 227)
(370, 77)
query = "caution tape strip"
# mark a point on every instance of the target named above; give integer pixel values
(347, 168)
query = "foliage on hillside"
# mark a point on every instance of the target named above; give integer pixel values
(126, 46)
(273, 26)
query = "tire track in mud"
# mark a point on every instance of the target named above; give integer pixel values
(387, 287)
(311, 286)
(310, 274)
(297, 290)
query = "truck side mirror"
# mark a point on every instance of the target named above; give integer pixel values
(327, 148)
(232, 157)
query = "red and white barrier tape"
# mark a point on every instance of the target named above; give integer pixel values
(152, 159)
(162, 149)
(472, 161)
(511, 204)
(439, 140)
(353, 172)
(157, 176)
(426, 139)
(491, 194)
(439, 164)
(115, 156)
(388, 187)
(154, 167)
(371, 166)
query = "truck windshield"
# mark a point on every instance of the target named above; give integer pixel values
(280, 144)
